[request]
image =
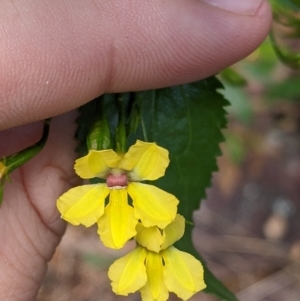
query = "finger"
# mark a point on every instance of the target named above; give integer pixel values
(30, 225)
(58, 55)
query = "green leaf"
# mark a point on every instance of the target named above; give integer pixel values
(287, 89)
(187, 120)
(214, 286)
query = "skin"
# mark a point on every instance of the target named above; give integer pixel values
(58, 55)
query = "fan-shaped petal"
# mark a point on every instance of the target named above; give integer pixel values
(83, 204)
(145, 161)
(153, 206)
(96, 163)
(128, 274)
(183, 273)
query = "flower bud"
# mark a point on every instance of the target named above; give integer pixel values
(99, 137)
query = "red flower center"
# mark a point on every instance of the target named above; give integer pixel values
(117, 180)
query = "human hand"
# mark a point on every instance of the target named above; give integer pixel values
(59, 55)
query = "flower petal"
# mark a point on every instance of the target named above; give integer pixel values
(96, 163)
(153, 206)
(128, 274)
(174, 231)
(83, 204)
(183, 273)
(146, 161)
(151, 238)
(117, 224)
(155, 289)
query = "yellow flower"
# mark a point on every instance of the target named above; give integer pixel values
(117, 221)
(155, 267)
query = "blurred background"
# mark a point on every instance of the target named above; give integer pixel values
(248, 228)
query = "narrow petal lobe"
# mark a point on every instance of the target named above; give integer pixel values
(150, 238)
(117, 224)
(174, 231)
(155, 289)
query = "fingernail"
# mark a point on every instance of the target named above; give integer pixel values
(243, 7)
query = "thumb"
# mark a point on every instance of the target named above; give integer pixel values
(58, 55)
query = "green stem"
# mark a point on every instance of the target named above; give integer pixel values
(121, 137)
(144, 130)
(10, 163)
(14, 161)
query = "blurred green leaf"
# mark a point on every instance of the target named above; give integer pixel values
(235, 147)
(260, 64)
(285, 5)
(233, 77)
(286, 13)
(240, 103)
(288, 89)
(290, 59)
(187, 120)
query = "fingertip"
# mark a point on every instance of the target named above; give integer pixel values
(190, 40)
(265, 11)
(115, 47)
